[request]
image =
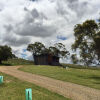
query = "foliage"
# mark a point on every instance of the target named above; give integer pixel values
(5, 53)
(53, 50)
(38, 48)
(97, 45)
(87, 39)
(62, 50)
(59, 50)
(74, 58)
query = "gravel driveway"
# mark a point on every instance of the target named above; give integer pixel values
(67, 89)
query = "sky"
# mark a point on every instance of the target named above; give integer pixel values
(48, 21)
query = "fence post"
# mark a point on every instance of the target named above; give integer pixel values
(1, 79)
(29, 94)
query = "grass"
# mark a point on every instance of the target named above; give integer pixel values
(86, 77)
(14, 89)
(17, 61)
(81, 66)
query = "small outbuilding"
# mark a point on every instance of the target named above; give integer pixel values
(46, 59)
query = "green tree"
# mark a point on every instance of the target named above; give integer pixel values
(74, 58)
(62, 50)
(59, 49)
(53, 50)
(5, 53)
(97, 46)
(86, 41)
(37, 48)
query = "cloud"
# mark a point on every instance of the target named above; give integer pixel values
(33, 24)
(26, 21)
(14, 40)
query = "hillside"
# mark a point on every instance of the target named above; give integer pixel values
(17, 61)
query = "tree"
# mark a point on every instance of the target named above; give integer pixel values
(74, 59)
(5, 53)
(97, 46)
(37, 48)
(13, 56)
(62, 51)
(57, 50)
(53, 50)
(86, 41)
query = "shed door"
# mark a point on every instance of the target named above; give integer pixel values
(50, 59)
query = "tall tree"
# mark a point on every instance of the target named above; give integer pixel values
(86, 41)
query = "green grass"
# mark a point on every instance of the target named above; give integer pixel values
(17, 61)
(81, 66)
(86, 77)
(14, 89)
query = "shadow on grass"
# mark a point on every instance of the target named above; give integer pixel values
(95, 77)
(2, 85)
(98, 83)
(83, 77)
(90, 68)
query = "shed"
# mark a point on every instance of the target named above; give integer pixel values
(46, 59)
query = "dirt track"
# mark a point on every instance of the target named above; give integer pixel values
(67, 89)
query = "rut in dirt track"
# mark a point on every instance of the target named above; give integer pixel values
(67, 89)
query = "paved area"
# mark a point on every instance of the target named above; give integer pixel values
(67, 89)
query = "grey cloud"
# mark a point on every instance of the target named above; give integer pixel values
(16, 51)
(33, 25)
(75, 6)
(15, 41)
(35, 13)
(1, 6)
(33, 0)
(79, 7)
(36, 30)
(8, 28)
(0, 10)
(71, 1)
